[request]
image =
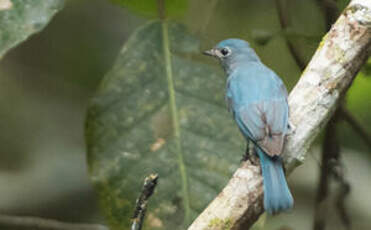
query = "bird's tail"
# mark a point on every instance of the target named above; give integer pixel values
(277, 196)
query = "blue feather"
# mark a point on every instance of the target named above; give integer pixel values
(277, 196)
(257, 98)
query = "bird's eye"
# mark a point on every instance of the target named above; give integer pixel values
(225, 51)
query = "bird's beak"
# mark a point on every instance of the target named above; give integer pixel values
(210, 52)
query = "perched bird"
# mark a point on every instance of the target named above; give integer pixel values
(257, 98)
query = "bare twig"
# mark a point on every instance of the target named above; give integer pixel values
(284, 21)
(37, 223)
(312, 102)
(330, 11)
(149, 185)
(338, 175)
(331, 168)
(330, 152)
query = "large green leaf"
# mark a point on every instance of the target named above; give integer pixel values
(21, 18)
(172, 8)
(157, 111)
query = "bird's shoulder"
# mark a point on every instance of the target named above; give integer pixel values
(255, 82)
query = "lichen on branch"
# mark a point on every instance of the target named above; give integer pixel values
(312, 102)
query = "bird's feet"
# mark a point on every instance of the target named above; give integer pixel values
(250, 155)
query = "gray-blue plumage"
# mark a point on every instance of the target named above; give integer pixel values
(257, 99)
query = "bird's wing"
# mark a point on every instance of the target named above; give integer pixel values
(259, 103)
(266, 122)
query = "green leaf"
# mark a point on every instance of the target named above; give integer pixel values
(21, 18)
(157, 111)
(149, 8)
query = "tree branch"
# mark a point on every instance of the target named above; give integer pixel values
(328, 7)
(313, 100)
(36, 223)
(331, 167)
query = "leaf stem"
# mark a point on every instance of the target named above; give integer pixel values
(175, 120)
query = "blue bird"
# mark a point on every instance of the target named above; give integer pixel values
(257, 98)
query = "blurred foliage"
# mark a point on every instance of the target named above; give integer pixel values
(149, 8)
(340, 4)
(46, 82)
(21, 18)
(366, 70)
(131, 130)
(130, 135)
(358, 102)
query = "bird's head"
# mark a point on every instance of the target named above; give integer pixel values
(233, 51)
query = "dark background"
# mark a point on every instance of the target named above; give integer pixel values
(46, 83)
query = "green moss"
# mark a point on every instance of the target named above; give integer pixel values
(339, 54)
(327, 74)
(220, 224)
(322, 42)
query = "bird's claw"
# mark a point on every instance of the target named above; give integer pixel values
(291, 129)
(251, 156)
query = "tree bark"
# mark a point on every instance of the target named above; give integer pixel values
(329, 74)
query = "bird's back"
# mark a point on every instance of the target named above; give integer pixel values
(258, 100)
(255, 82)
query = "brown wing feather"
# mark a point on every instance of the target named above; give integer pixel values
(272, 145)
(266, 131)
